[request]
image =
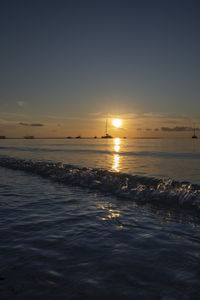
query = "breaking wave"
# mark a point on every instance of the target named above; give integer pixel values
(138, 188)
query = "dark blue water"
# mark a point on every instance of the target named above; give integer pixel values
(61, 241)
(88, 233)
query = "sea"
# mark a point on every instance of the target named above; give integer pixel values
(100, 219)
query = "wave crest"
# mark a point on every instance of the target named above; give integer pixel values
(138, 188)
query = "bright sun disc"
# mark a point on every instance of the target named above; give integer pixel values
(117, 122)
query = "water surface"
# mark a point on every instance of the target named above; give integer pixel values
(63, 241)
(163, 158)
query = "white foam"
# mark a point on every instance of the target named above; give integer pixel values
(139, 188)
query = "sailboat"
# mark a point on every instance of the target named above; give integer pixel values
(194, 135)
(107, 136)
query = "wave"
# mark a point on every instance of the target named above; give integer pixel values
(132, 187)
(177, 155)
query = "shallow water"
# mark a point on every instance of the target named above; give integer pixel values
(64, 241)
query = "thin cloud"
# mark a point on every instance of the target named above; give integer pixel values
(178, 128)
(33, 124)
(64, 118)
(20, 103)
(165, 117)
(99, 113)
(9, 115)
(102, 115)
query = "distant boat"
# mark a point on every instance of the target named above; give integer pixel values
(194, 135)
(107, 136)
(29, 137)
(2, 137)
(78, 137)
(95, 137)
(69, 137)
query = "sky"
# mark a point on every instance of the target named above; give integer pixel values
(67, 66)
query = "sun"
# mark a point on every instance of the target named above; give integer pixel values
(117, 123)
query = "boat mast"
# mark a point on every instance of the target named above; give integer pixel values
(106, 126)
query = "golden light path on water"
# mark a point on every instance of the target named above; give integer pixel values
(116, 157)
(113, 213)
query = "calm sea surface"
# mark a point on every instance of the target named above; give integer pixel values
(163, 158)
(61, 241)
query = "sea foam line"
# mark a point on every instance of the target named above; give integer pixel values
(138, 188)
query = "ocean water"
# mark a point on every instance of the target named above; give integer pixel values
(99, 219)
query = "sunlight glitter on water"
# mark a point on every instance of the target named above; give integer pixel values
(116, 157)
(98, 240)
(115, 165)
(162, 158)
(62, 242)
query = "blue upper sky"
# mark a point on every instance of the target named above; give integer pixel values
(69, 63)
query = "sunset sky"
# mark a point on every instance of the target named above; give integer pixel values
(66, 66)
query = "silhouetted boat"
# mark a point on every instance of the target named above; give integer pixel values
(2, 137)
(69, 137)
(107, 136)
(78, 137)
(95, 137)
(194, 135)
(29, 137)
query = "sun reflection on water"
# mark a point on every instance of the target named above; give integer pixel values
(110, 214)
(115, 165)
(117, 141)
(117, 148)
(116, 157)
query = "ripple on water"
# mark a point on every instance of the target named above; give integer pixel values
(71, 242)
